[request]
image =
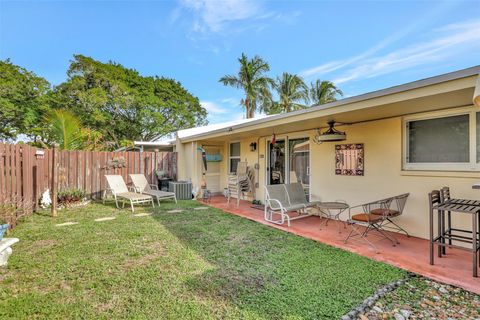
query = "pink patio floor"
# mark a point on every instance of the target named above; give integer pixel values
(411, 254)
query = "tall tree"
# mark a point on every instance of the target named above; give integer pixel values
(123, 105)
(22, 101)
(323, 92)
(292, 94)
(252, 80)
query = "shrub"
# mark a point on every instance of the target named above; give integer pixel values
(11, 210)
(70, 196)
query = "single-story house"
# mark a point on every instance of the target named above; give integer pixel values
(412, 138)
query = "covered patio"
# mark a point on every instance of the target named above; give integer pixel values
(411, 254)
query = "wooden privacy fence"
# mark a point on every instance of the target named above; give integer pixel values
(26, 172)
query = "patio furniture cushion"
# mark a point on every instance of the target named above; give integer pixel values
(366, 217)
(386, 212)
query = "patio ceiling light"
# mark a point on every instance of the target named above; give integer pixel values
(330, 135)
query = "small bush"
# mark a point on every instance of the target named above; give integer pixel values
(11, 210)
(70, 196)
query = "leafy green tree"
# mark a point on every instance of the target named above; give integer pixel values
(292, 94)
(323, 92)
(123, 105)
(23, 101)
(252, 80)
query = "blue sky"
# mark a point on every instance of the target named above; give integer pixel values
(361, 46)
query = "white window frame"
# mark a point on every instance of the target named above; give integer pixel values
(472, 165)
(230, 157)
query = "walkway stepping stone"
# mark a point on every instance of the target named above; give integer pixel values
(200, 208)
(71, 223)
(105, 219)
(175, 211)
(142, 214)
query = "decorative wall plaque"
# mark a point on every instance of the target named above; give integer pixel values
(349, 159)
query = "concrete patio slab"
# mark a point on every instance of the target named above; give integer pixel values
(70, 223)
(105, 219)
(142, 214)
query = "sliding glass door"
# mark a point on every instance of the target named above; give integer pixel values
(289, 162)
(299, 162)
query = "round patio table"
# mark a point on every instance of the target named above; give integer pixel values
(333, 210)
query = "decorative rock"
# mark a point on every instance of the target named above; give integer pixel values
(443, 290)
(406, 313)
(377, 309)
(398, 316)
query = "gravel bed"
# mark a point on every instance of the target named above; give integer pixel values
(420, 298)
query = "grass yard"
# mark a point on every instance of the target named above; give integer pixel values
(195, 264)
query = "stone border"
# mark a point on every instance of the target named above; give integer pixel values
(370, 301)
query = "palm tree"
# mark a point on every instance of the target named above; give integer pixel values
(252, 80)
(292, 91)
(323, 92)
(65, 129)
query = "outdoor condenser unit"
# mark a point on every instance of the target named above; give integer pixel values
(182, 189)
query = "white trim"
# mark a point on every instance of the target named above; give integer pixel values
(230, 157)
(472, 165)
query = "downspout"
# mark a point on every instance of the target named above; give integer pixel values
(476, 94)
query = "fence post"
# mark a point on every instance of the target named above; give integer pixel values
(54, 180)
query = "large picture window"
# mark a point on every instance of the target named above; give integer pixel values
(442, 141)
(234, 156)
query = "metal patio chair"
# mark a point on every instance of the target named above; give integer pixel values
(396, 209)
(363, 223)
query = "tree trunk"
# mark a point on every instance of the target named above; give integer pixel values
(248, 108)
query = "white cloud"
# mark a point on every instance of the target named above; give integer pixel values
(443, 43)
(212, 15)
(213, 108)
(463, 37)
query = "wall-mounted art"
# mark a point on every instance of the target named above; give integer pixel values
(349, 159)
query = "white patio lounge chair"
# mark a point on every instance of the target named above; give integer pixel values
(277, 202)
(141, 185)
(117, 186)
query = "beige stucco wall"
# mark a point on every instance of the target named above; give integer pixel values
(383, 172)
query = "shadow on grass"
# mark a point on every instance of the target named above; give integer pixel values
(265, 272)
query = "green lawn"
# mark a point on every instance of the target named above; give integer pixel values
(198, 264)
